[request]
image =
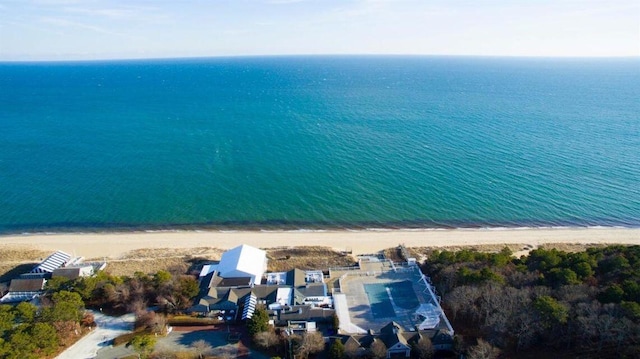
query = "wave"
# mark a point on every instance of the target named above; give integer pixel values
(293, 228)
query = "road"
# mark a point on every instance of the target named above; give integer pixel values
(107, 329)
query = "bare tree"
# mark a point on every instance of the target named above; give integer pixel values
(266, 339)
(135, 304)
(88, 320)
(524, 328)
(483, 350)
(378, 350)
(462, 300)
(122, 295)
(352, 349)
(310, 343)
(136, 288)
(447, 279)
(423, 348)
(110, 293)
(202, 348)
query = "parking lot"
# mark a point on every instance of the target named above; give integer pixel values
(181, 339)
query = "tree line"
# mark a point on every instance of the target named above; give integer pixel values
(130, 294)
(564, 304)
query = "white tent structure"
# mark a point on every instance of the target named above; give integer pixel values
(53, 262)
(243, 261)
(430, 314)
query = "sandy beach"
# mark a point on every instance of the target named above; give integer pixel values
(113, 245)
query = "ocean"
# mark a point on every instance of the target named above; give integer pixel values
(320, 142)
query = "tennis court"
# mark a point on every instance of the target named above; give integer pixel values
(383, 296)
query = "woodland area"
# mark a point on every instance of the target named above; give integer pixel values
(550, 303)
(29, 332)
(124, 294)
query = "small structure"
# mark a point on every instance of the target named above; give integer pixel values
(51, 263)
(430, 315)
(23, 290)
(397, 341)
(301, 313)
(301, 326)
(393, 338)
(30, 285)
(74, 271)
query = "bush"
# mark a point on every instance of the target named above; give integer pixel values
(123, 339)
(259, 322)
(191, 321)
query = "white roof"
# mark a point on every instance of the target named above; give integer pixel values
(54, 261)
(243, 261)
(283, 295)
(208, 268)
(13, 297)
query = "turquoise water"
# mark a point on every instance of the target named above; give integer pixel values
(319, 142)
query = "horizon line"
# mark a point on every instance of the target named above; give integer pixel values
(203, 57)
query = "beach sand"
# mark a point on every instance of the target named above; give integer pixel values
(114, 245)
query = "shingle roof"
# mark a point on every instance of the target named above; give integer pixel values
(27, 285)
(391, 334)
(296, 277)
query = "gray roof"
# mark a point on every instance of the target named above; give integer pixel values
(234, 282)
(72, 272)
(313, 290)
(391, 334)
(304, 312)
(296, 277)
(391, 337)
(229, 298)
(27, 285)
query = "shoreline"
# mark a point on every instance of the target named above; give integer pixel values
(277, 226)
(115, 244)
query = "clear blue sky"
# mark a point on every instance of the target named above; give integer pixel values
(101, 29)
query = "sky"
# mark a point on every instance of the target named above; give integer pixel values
(101, 29)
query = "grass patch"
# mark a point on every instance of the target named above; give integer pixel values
(19, 260)
(286, 258)
(572, 247)
(173, 260)
(125, 338)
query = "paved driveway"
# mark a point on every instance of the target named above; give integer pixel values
(182, 340)
(107, 329)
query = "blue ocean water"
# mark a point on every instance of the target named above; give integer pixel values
(319, 142)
